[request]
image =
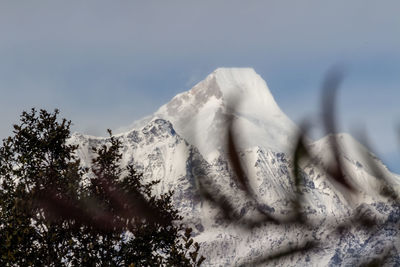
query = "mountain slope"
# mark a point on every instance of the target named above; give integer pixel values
(159, 153)
(183, 145)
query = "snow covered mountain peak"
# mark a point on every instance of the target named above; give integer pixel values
(201, 114)
(243, 84)
(241, 87)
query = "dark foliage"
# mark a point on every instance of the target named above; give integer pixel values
(50, 215)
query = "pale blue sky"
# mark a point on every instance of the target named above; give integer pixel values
(108, 63)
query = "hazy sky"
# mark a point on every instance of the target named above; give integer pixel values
(108, 63)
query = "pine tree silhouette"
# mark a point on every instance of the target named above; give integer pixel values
(49, 214)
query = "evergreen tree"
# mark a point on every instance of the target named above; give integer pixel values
(50, 216)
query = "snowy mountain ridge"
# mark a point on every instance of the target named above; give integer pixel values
(200, 114)
(183, 144)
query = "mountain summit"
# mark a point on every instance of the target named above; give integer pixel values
(201, 114)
